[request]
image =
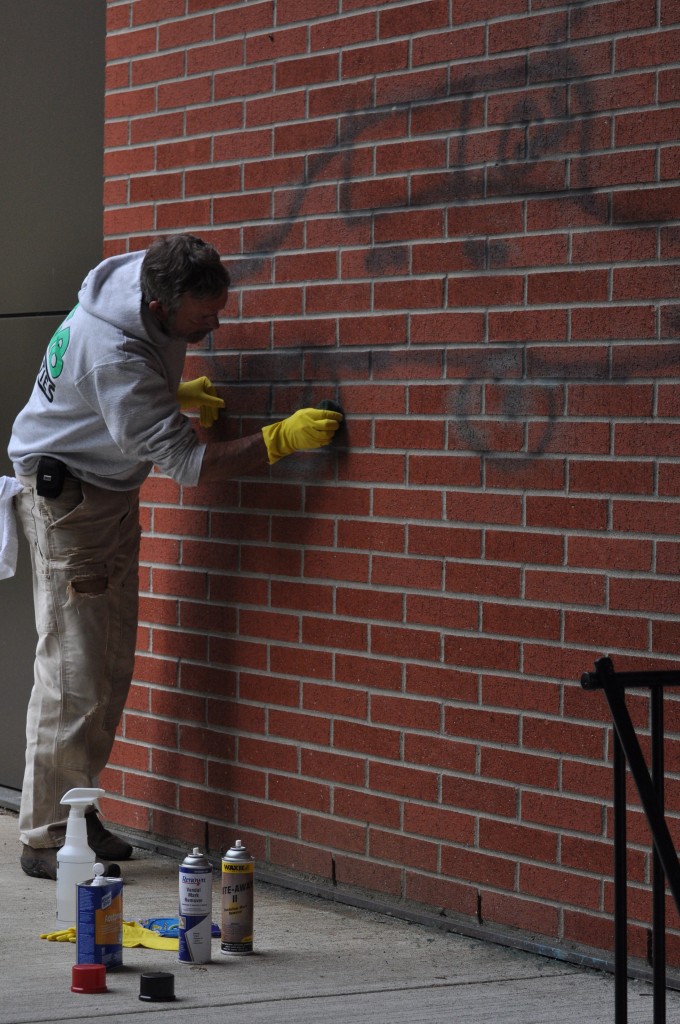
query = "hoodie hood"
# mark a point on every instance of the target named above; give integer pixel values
(106, 293)
(105, 399)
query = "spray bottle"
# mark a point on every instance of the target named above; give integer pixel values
(75, 859)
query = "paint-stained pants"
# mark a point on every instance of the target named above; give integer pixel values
(85, 557)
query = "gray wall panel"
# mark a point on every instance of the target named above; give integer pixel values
(51, 157)
(51, 211)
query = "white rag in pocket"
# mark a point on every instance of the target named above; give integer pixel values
(9, 543)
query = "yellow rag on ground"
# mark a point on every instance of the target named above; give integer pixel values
(133, 935)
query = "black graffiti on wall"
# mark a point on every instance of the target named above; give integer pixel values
(537, 133)
(532, 145)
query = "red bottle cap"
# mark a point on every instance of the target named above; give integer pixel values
(88, 978)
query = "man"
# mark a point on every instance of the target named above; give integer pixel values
(104, 410)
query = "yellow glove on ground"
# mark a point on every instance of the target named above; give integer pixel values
(306, 428)
(133, 935)
(66, 935)
(200, 394)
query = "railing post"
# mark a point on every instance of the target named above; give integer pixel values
(665, 865)
(620, 887)
(658, 880)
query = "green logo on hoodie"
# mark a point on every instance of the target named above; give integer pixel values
(53, 363)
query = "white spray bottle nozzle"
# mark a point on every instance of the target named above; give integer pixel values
(79, 799)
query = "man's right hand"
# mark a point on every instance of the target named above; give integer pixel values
(305, 429)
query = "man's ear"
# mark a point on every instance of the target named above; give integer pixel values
(158, 311)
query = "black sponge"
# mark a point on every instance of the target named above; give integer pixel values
(333, 406)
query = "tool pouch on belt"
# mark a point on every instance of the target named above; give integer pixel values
(50, 478)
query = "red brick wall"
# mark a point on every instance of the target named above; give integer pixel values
(367, 664)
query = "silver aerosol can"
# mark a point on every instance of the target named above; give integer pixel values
(238, 871)
(195, 908)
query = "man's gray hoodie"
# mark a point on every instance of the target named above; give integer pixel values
(104, 400)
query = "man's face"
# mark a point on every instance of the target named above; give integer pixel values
(194, 318)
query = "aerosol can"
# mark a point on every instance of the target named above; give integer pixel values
(238, 870)
(195, 908)
(75, 859)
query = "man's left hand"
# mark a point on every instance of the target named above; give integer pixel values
(200, 394)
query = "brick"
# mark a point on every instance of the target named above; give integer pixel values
(339, 32)
(529, 32)
(476, 507)
(491, 290)
(566, 513)
(150, 790)
(481, 652)
(336, 834)
(478, 867)
(291, 725)
(521, 621)
(337, 768)
(370, 604)
(562, 813)
(309, 663)
(591, 929)
(643, 360)
(333, 633)
(609, 553)
(440, 682)
(515, 546)
(298, 792)
(529, 474)
(522, 694)
(649, 516)
(517, 840)
(646, 283)
(527, 325)
(649, 595)
(519, 767)
(366, 739)
(613, 247)
(472, 578)
(557, 663)
(267, 816)
(444, 470)
(179, 766)
(433, 328)
(400, 849)
(441, 612)
(368, 875)
(130, 43)
(414, 18)
(564, 737)
(400, 643)
(377, 810)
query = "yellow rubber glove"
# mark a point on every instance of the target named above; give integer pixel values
(306, 428)
(135, 935)
(66, 935)
(200, 394)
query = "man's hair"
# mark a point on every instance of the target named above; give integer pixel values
(178, 264)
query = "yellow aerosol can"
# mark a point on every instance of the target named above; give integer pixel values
(238, 871)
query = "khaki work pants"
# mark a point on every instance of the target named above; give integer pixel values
(85, 559)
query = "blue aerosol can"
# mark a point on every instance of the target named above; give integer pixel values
(195, 908)
(238, 872)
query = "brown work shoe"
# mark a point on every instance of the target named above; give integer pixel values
(39, 863)
(104, 843)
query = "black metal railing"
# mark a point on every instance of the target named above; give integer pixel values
(650, 786)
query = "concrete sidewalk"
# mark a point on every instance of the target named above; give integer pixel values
(316, 962)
